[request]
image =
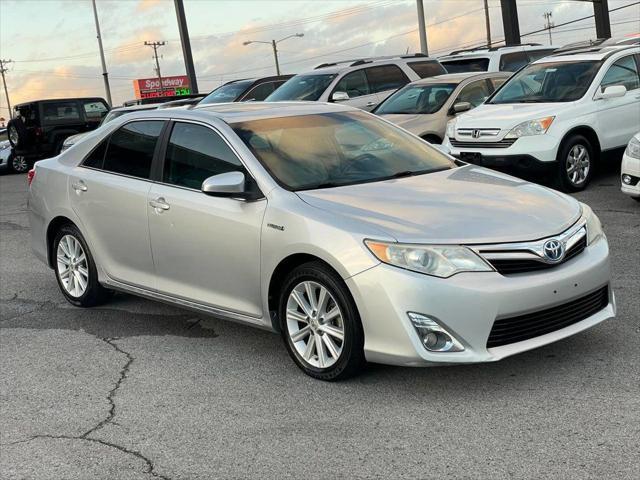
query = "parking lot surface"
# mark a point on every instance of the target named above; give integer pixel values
(140, 390)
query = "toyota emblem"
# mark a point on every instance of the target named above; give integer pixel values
(553, 250)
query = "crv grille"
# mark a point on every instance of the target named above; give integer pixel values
(523, 327)
(505, 143)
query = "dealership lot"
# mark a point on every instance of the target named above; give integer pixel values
(137, 389)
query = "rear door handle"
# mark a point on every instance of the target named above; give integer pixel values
(160, 204)
(79, 186)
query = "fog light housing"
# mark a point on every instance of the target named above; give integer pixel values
(626, 179)
(432, 336)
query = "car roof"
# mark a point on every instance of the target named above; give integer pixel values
(597, 53)
(346, 65)
(484, 52)
(133, 108)
(59, 100)
(460, 77)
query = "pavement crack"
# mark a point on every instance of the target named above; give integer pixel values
(124, 371)
(150, 467)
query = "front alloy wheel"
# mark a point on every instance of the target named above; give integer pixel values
(578, 165)
(72, 267)
(19, 164)
(576, 162)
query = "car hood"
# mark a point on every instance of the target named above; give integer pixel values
(465, 205)
(508, 115)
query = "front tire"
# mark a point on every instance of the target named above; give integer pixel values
(576, 162)
(18, 164)
(320, 324)
(75, 269)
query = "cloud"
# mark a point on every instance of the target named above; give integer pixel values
(145, 5)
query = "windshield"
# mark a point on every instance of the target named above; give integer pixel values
(466, 65)
(226, 93)
(302, 87)
(329, 150)
(418, 99)
(548, 82)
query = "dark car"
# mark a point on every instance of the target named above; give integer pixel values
(39, 128)
(248, 89)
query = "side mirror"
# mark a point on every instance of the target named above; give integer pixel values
(339, 96)
(614, 91)
(230, 184)
(460, 107)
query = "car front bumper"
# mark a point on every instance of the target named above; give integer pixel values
(631, 166)
(467, 305)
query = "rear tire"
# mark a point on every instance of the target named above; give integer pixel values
(576, 163)
(320, 324)
(18, 163)
(75, 269)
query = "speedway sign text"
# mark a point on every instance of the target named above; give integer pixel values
(171, 86)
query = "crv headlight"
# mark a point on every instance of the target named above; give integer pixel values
(633, 149)
(451, 128)
(594, 227)
(438, 260)
(531, 127)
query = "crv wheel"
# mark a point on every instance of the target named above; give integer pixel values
(575, 163)
(320, 323)
(75, 269)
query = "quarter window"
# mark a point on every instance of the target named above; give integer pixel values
(427, 69)
(355, 84)
(386, 77)
(96, 157)
(195, 153)
(60, 111)
(622, 72)
(131, 148)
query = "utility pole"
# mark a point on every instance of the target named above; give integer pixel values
(487, 22)
(274, 45)
(601, 16)
(186, 46)
(423, 28)
(510, 22)
(155, 46)
(3, 69)
(105, 75)
(548, 24)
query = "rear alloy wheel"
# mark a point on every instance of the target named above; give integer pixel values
(320, 324)
(576, 164)
(18, 164)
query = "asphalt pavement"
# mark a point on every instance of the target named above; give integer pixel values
(140, 390)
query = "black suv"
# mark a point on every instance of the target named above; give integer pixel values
(39, 128)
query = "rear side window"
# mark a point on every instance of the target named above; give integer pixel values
(466, 65)
(131, 147)
(195, 153)
(427, 69)
(54, 112)
(386, 77)
(259, 92)
(94, 111)
(538, 54)
(512, 62)
(622, 72)
(354, 84)
(96, 157)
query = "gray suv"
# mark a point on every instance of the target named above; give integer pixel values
(360, 83)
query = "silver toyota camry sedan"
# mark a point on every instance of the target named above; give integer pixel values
(354, 239)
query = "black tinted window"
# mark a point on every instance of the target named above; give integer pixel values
(131, 148)
(96, 157)
(353, 84)
(427, 69)
(466, 65)
(195, 153)
(260, 92)
(60, 112)
(512, 62)
(386, 77)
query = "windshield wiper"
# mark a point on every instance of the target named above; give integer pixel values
(404, 173)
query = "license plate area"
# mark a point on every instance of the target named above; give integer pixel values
(471, 157)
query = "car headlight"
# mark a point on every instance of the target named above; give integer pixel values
(633, 149)
(451, 128)
(437, 260)
(594, 227)
(531, 127)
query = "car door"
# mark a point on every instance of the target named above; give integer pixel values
(618, 118)
(356, 86)
(205, 249)
(109, 191)
(386, 79)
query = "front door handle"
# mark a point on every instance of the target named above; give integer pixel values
(79, 186)
(159, 204)
(371, 104)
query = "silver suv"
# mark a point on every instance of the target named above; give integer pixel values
(360, 83)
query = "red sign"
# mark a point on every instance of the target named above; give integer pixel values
(171, 86)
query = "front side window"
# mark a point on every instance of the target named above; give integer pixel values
(417, 99)
(60, 111)
(354, 84)
(333, 149)
(195, 153)
(475, 93)
(259, 92)
(303, 87)
(548, 82)
(623, 72)
(466, 65)
(131, 147)
(427, 69)
(512, 62)
(385, 78)
(226, 93)
(95, 111)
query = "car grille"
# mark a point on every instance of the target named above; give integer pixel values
(510, 266)
(517, 329)
(505, 143)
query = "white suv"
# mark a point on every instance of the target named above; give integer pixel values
(556, 114)
(360, 83)
(494, 59)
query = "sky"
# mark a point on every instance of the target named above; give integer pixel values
(55, 53)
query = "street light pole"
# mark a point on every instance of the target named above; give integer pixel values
(274, 45)
(423, 28)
